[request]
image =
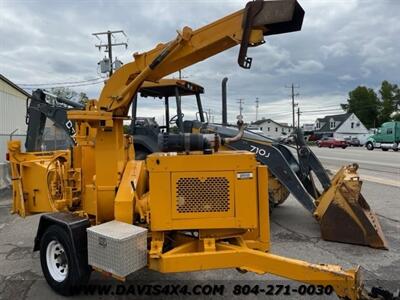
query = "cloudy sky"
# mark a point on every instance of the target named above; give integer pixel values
(343, 43)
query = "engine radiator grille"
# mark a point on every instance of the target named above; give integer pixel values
(202, 195)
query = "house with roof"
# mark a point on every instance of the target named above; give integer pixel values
(271, 128)
(12, 120)
(341, 126)
(12, 113)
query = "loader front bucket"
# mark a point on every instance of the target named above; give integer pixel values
(345, 216)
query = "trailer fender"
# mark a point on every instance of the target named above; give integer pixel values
(75, 226)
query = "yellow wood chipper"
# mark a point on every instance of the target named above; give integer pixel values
(200, 208)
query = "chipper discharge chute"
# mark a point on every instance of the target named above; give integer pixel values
(340, 208)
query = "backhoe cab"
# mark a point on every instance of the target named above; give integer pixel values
(145, 130)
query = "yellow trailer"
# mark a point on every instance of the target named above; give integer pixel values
(202, 208)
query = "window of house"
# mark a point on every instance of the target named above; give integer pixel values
(332, 124)
(276, 129)
(268, 128)
(352, 124)
(261, 128)
(283, 130)
(318, 125)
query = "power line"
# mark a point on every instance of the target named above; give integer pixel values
(322, 110)
(56, 83)
(64, 86)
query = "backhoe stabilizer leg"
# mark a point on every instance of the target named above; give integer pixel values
(346, 283)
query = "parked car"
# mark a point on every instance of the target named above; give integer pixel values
(353, 142)
(332, 143)
(290, 140)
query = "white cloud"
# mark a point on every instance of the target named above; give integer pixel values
(342, 44)
(303, 67)
(338, 49)
(346, 77)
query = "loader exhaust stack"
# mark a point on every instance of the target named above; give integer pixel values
(345, 216)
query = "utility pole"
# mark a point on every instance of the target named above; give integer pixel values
(298, 117)
(109, 44)
(257, 102)
(209, 115)
(293, 87)
(240, 101)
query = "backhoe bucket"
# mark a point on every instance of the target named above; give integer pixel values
(345, 216)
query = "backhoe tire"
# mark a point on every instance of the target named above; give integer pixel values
(57, 261)
(370, 146)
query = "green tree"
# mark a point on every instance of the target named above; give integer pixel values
(64, 92)
(390, 95)
(364, 103)
(127, 129)
(396, 117)
(70, 94)
(83, 98)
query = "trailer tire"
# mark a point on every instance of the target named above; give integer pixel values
(57, 261)
(370, 146)
(385, 149)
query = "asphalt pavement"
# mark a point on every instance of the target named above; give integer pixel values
(294, 233)
(376, 165)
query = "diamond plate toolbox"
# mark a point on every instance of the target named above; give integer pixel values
(117, 247)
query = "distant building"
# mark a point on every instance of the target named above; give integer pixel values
(307, 127)
(272, 129)
(341, 126)
(12, 114)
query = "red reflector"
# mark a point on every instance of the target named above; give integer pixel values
(8, 156)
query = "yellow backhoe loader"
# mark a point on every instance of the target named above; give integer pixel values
(197, 209)
(339, 208)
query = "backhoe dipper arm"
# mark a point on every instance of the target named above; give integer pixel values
(246, 27)
(38, 111)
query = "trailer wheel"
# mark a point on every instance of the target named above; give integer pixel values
(370, 146)
(385, 149)
(56, 258)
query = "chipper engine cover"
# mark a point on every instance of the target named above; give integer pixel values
(199, 191)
